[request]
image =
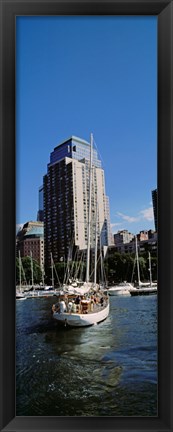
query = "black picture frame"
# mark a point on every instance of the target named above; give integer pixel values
(163, 9)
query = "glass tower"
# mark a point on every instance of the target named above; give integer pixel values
(40, 214)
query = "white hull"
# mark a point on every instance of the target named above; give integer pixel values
(40, 294)
(147, 285)
(20, 298)
(82, 320)
(117, 292)
(123, 289)
(20, 295)
(143, 291)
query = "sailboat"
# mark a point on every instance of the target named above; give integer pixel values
(47, 290)
(32, 293)
(152, 284)
(92, 305)
(19, 294)
(143, 288)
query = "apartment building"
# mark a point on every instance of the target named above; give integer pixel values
(66, 200)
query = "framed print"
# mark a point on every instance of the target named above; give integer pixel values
(42, 369)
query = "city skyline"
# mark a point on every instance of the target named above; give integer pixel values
(77, 75)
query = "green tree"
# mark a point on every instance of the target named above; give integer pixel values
(119, 267)
(37, 274)
(122, 266)
(61, 273)
(154, 267)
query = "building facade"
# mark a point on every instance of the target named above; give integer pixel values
(122, 236)
(142, 236)
(147, 241)
(66, 200)
(30, 239)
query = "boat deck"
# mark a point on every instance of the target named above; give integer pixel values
(84, 308)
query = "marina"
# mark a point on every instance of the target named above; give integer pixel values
(109, 369)
(87, 251)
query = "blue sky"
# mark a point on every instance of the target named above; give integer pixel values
(77, 75)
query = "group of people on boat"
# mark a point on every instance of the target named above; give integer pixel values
(79, 304)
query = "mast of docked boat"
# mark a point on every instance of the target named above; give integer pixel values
(89, 212)
(137, 261)
(149, 258)
(42, 271)
(101, 262)
(52, 269)
(32, 273)
(20, 274)
(95, 257)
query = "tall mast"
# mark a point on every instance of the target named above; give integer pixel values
(89, 211)
(42, 270)
(95, 258)
(32, 277)
(52, 269)
(149, 257)
(101, 260)
(137, 260)
(20, 278)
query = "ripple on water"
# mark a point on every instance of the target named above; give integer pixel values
(106, 370)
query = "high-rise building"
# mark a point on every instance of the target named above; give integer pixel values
(66, 200)
(40, 214)
(154, 198)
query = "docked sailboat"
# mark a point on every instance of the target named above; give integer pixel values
(143, 288)
(20, 294)
(152, 284)
(123, 288)
(85, 305)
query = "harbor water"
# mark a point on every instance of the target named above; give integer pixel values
(109, 369)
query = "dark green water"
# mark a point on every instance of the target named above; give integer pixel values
(105, 370)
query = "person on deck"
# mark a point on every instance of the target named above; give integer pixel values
(101, 301)
(77, 300)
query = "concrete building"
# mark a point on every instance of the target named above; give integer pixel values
(143, 235)
(123, 236)
(66, 200)
(147, 241)
(31, 239)
(154, 199)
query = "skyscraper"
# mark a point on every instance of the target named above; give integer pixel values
(66, 200)
(40, 202)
